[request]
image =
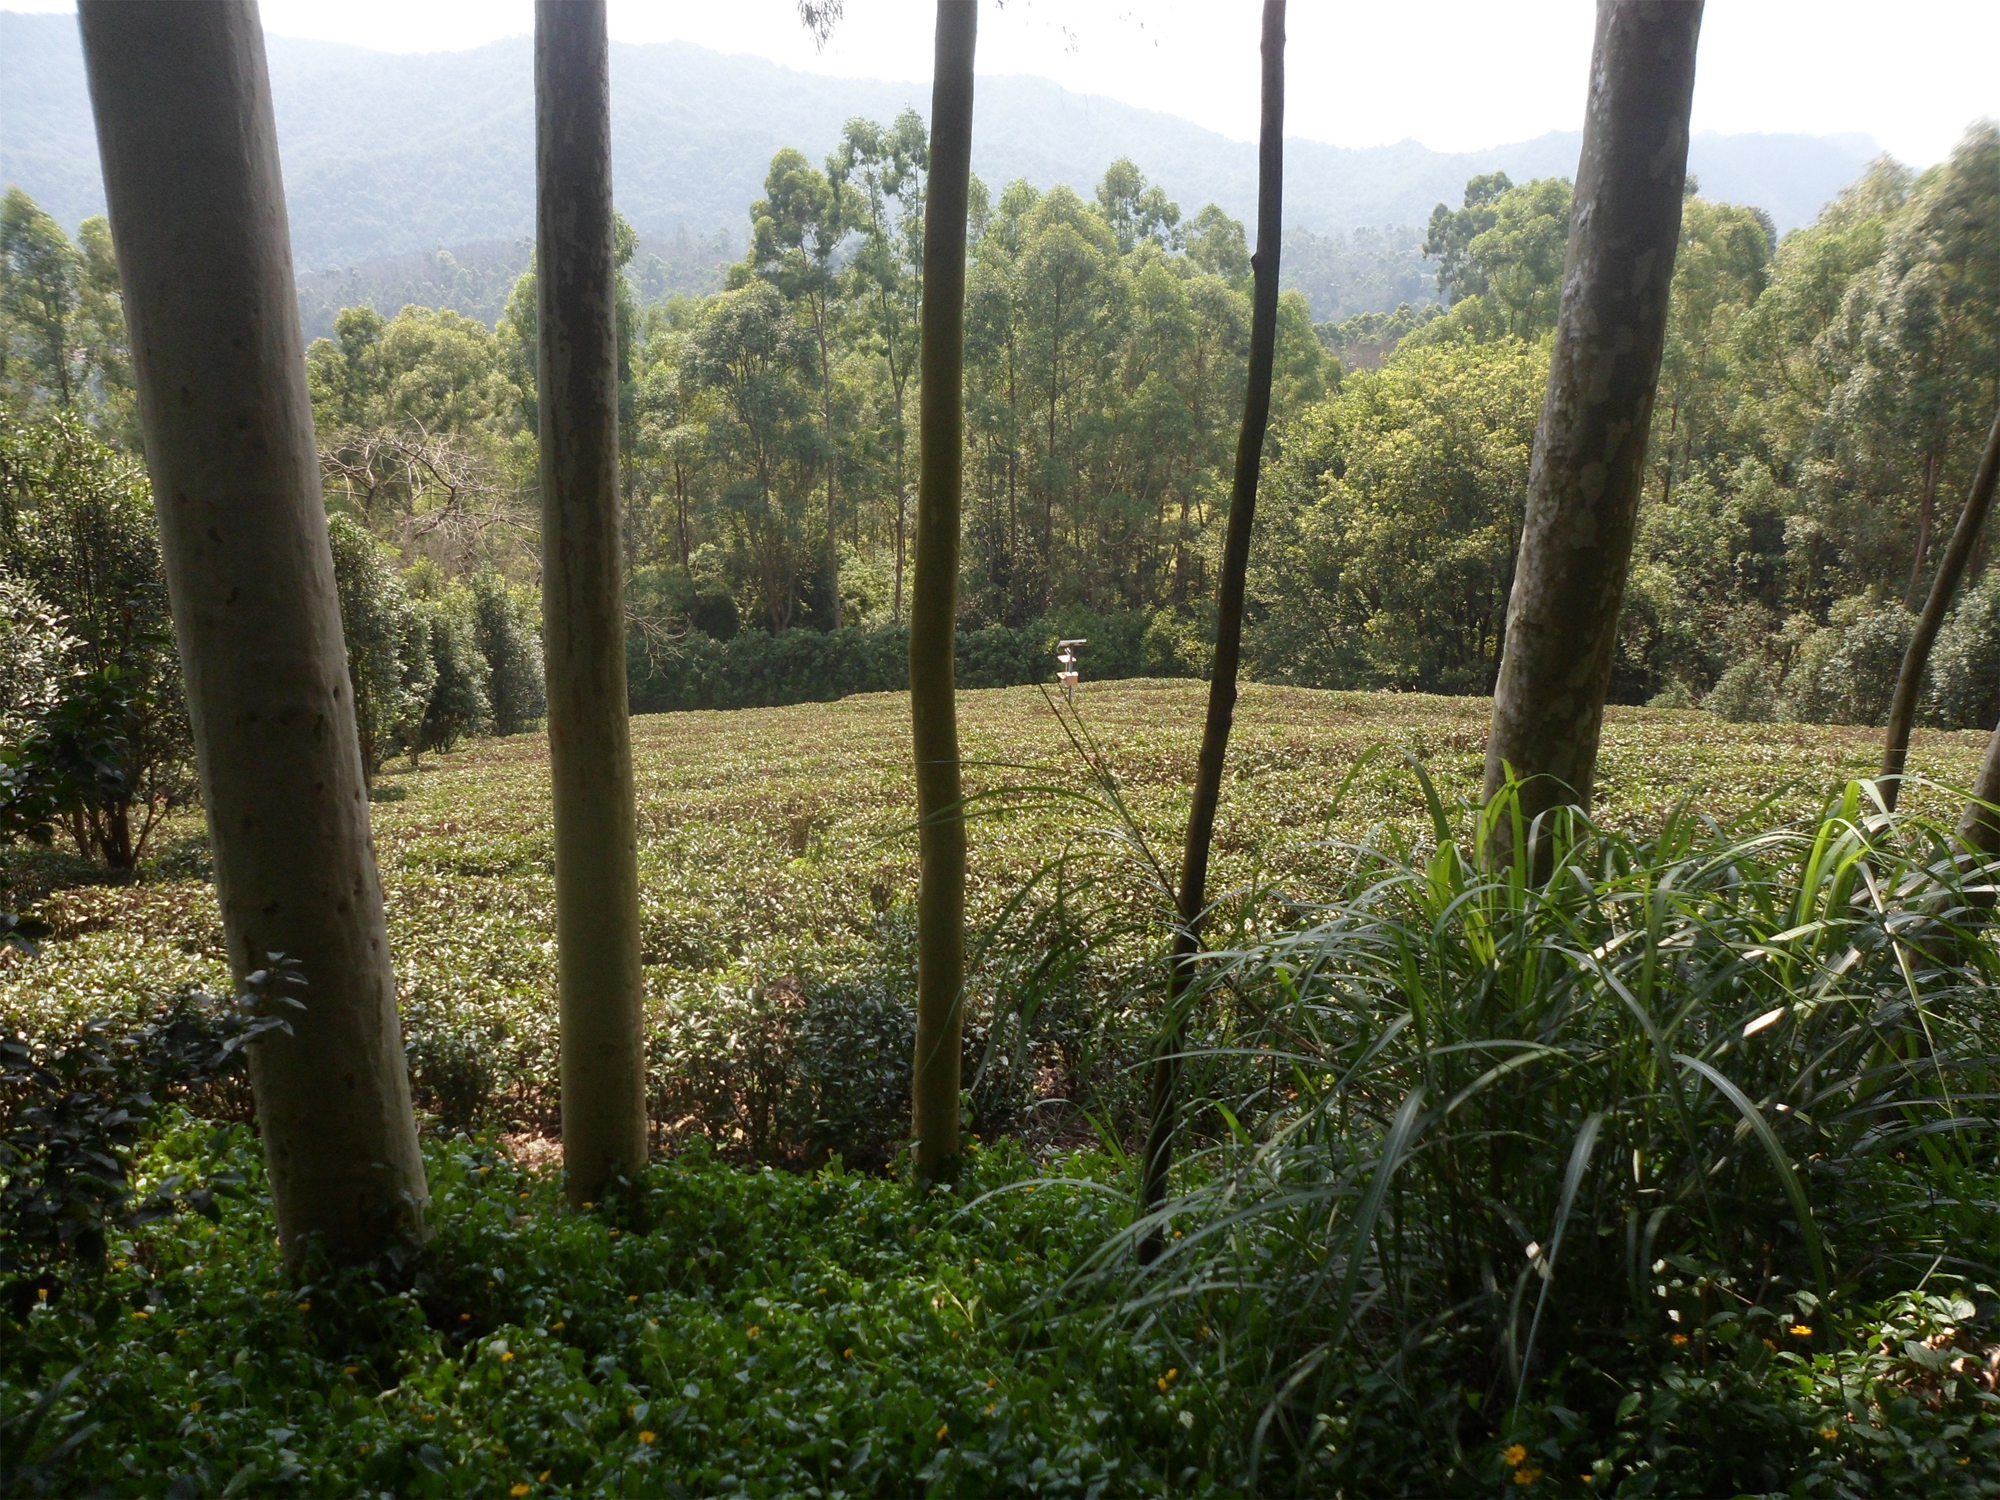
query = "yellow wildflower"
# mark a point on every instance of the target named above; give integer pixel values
(518, 1490)
(646, 1438)
(1678, 1339)
(507, 1358)
(1526, 1476)
(1514, 1455)
(1800, 1331)
(1829, 1433)
(942, 1431)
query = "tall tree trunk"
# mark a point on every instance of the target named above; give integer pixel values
(184, 125)
(1926, 514)
(1979, 823)
(934, 603)
(1193, 895)
(583, 605)
(1903, 709)
(1590, 448)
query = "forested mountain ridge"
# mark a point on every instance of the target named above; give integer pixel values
(393, 154)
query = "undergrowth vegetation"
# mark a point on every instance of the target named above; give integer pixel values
(1674, 1175)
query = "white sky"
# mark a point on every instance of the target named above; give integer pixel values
(1454, 74)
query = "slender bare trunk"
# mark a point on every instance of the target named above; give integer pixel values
(1926, 518)
(934, 603)
(583, 606)
(1903, 709)
(1193, 895)
(1590, 448)
(184, 125)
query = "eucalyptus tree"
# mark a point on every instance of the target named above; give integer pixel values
(1910, 681)
(583, 608)
(934, 604)
(887, 167)
(185, 129)
(1191, 903)
(1590, 448)
(797, 226)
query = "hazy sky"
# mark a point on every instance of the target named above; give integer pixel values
(1454, 74)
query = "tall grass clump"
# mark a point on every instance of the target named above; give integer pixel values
(1490, 1162)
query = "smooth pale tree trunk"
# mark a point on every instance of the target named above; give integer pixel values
(583, 606)
(934, 604)
(1903, 708)
(1979, 824)
(1590, 448)
(190, 152)
(1192, 899)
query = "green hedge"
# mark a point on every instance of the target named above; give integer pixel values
(758, 670)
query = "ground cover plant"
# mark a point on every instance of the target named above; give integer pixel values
(1293, 1328)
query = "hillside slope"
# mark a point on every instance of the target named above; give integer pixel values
(392, 154)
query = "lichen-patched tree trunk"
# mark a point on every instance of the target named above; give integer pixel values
(934, 603)
(1590, 448)
(1192, 898)
(1910, 681)
(190, 152)
(583, 605)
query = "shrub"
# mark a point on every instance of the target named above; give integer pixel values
(76, 527)
(1746, 694)
(459, 706)
(508, 630)
(760, 670)
(36, 656)
(72, 1112)
(388, 644)
(1845, 672)
(1965, 662)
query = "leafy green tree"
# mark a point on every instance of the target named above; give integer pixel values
(388, 645)
(76, 528)
(1395, 512)
(1910, 419)
(40, 276)
(1136, 211)
(1452, 232)
(507, 630)
(887, 168)
(460, 705)
(797, 226)
(757, 359)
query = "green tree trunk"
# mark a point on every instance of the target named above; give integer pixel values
(1910, 682)
(184, 125)
(934, 603)
(1192, 900)
(1590, 449)
(583, 605)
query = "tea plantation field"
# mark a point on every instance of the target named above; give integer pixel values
(776, 843)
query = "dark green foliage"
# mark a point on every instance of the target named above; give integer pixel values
(388, 644)
(459, 705)
(760, 670)
(73, 1111)
(108, 752)
(507, 630)
(1965, 662)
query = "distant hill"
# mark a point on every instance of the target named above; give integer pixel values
(396, 155)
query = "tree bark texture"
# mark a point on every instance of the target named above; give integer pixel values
(1590, 448)
(583, 605)
(934, 603)
(1910, 681)
(184, 126)
(1192, 898)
